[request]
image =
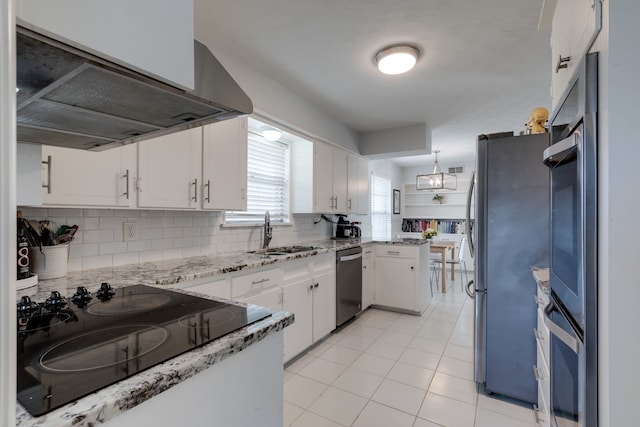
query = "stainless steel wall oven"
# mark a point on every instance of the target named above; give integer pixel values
(572, 312)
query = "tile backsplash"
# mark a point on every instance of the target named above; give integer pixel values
(99, 241)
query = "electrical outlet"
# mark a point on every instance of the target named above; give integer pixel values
(130, 231)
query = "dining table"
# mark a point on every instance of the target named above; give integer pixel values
(441, 247)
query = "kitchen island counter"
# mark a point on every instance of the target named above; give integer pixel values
(103, 405)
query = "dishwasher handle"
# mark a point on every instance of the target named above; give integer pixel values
(350, 257)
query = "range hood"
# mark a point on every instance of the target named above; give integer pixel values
(70, 98)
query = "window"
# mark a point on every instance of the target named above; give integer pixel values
(380, 208)
(267, 182)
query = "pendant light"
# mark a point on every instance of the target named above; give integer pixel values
(436, 180)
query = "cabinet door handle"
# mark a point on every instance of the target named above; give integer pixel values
(126, 183)
(48, 184)
(316, 285)
(208, 185)
(242, 190)
(195, 190)
(393, 252)
(539, 335)
(349, 202)
(257, 282)
(562, 62)
(412, 267)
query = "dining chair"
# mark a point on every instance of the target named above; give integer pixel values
(459, 261)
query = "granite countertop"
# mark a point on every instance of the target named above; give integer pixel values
(405, 241)
(106, 403)
(174, 271)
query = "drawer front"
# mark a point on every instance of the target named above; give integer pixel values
(218, 289)
(396, 251)
(544, 384)
(543, 415)
(543, 336)
(252, 283)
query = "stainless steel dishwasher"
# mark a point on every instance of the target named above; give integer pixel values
(348, 284)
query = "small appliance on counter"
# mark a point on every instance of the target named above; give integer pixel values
(346, 229)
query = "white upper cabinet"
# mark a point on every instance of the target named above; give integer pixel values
(86, 178)
(28, 174)
(170, 171)
(224, 165)
(152, 37)
(575, 26)
(330, 179)
(357, 185)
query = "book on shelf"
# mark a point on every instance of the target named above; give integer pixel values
(442, 226)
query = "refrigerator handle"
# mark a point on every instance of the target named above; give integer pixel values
(571, 341)
(468, 217)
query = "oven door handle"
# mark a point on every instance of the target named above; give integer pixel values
(563, 151)
(570, 340)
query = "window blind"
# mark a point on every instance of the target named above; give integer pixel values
(380, 208)
(267, 182)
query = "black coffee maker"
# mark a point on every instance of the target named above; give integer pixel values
(343, 227)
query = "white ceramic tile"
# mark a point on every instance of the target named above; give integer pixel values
(411, 375)
(302, 391)
(396, 337)
(322, 370)
(457, 368)
(377, 415)
(362, 330)
(420, 358)
(485, 418)
(400, 396)
(461, 339)
(309, 419)
(320, 348)
(454, 387)
(358, 382)
(427, 344)
(356, 342)
(447, 412)
(287, 375)
(424, 423)
(385, 349)
(338, 405)
(505, 408)
(339, 354)
(291, 412)
(378, 322)
(300, 363)
(436, 329)
(459, 352)
(373, 364)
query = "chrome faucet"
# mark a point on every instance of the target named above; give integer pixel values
(267, 230)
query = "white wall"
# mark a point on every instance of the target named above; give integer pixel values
(618, 225)
(165, 235)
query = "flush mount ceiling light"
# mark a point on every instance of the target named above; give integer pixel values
(270, 133)
(436, 180)
(397, 59)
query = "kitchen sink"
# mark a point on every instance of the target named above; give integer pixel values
(283, 250)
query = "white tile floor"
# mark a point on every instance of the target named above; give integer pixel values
(388, 369)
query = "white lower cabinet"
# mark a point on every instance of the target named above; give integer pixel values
(298, 299)
(262, 287)
(367, 277)
(541, 370)
(309, 292)
(324, 300)
(401, 279)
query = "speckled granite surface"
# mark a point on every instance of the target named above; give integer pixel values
(104, 404)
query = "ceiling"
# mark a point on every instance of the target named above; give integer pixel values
(484, 65)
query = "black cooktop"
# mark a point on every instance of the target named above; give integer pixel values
(68, 349)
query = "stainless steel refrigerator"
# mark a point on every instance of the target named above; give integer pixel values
(511, 230)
